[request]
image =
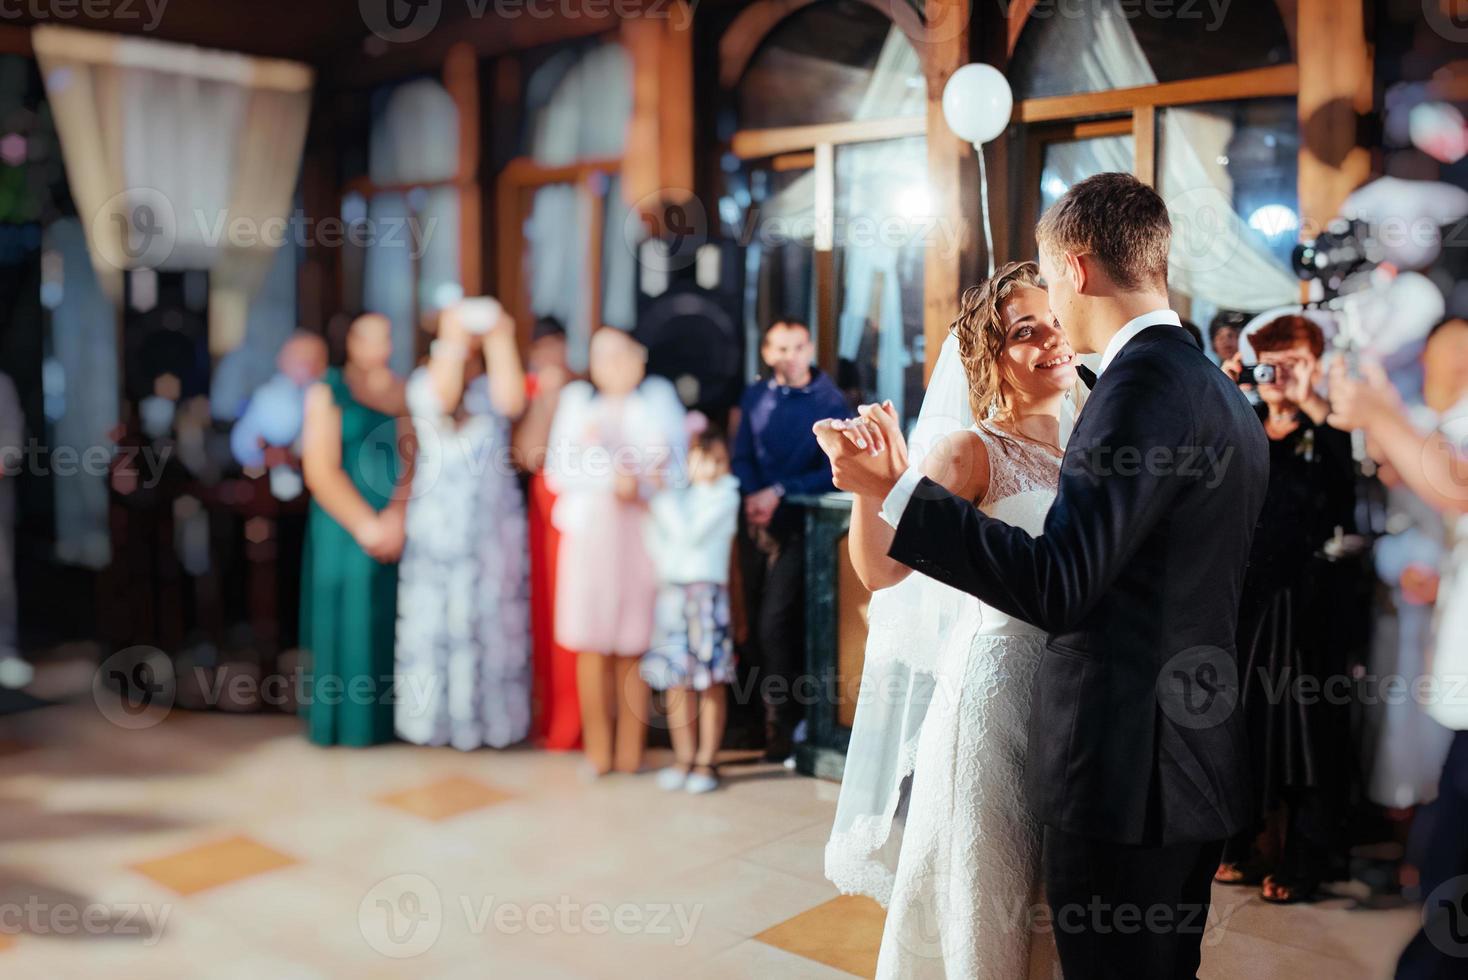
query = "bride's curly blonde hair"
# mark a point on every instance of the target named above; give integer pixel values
(981, 336)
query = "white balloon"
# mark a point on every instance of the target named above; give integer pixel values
(977, 103)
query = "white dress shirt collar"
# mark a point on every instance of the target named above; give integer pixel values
(1134, 327)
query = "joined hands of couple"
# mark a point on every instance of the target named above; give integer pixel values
(868, 453)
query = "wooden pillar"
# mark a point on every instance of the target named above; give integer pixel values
(952, 180)
(1144, 139)
(461, 79)
(657, 165)
(827, 306)
(1335, 62)
(318, 277)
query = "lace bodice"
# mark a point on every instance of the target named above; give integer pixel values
(1023, 479)
(1016, 466)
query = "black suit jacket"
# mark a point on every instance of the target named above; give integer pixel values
(1134, 736)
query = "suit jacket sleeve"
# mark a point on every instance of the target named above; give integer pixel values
(1110, 498)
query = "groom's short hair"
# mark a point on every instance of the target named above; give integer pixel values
(1119, 220)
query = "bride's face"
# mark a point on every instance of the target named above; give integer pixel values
(1037, 360)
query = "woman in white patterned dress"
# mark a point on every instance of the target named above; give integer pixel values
(962, 882)
(463, 639)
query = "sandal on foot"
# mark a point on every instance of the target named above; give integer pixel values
(1285, 891)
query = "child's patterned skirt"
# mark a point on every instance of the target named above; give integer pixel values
(692, 644)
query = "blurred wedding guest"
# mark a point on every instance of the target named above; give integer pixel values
(463, 640)
(611, 445)
(556, 714)
(691, 537)
(268, 432)
(1409, 746)
(1297, 743)
(775, 455)
(1223, 334)
(354, 430)
(1433, 465)
(13, 673)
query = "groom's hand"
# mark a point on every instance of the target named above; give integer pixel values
(868, 454)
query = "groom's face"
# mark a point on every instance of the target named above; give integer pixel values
(1064, 301)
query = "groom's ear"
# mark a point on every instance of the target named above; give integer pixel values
(1078, 266)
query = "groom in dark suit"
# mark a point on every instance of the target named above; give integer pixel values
(1137, 758)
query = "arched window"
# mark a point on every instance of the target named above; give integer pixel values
(1105, 44)
(1114, 91)
(402, 255)
(831, 196)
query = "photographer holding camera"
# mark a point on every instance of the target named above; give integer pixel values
(1295, 742)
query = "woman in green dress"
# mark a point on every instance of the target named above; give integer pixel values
(358, 479)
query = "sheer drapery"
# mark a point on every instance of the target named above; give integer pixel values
(81, 392)
(888, 95)
(868, 237)
(178, 158)
(1214, 255)
(580, 110)
(269, 324)
(411, 265)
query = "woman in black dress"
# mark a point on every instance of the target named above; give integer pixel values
(1293, 664)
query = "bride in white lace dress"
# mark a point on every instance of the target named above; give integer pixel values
(945, 697)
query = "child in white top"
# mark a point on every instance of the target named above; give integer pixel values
(690, 535)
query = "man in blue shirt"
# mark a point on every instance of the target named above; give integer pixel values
(775, 455)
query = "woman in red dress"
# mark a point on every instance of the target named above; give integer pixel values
(556, 720)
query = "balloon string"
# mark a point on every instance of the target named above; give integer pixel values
(984, 206)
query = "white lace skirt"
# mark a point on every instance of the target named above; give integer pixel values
(966, 902)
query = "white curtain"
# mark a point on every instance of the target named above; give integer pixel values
(412, 253)
(585, 104)
(270, 323)
(387, 274)
(867, 175)
(415, 138)
(1215, 257)
(81, 384)
(890, 93)
(178, 158)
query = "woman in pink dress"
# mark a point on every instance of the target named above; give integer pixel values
(611, 448)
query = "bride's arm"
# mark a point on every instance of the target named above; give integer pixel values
(959, 463)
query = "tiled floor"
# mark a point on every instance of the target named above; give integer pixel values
(225, 846)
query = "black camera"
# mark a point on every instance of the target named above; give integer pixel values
(1255, 374)
(1344, 249)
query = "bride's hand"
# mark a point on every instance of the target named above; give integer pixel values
(888, 427)
(861, 433)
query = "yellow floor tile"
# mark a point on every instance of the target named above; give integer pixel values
(212, 865)
(844, 933)
(444, 798)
